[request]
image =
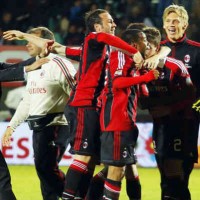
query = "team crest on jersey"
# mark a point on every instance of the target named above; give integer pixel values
(125, 153)
(85, 144)
(42, 73)
(187, 58)
(162, 75)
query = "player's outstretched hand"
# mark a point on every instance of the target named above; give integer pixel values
(152, 62)
(6, 139)
(13, 35)
(36, 64)
(46, 48)
(196, 105)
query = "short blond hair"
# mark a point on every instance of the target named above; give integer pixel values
(43, 32)
(179, 10)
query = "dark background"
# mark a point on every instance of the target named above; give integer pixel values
(66, 19)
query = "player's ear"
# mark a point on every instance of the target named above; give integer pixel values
(133, 44)
(158, 48)
(185, 26)
(97, 27)
(163, 26)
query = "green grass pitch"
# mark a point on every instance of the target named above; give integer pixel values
(26, 184)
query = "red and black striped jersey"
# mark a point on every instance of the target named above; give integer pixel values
(90, 76)
(118, 111)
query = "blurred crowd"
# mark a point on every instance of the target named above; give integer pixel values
(66, 17)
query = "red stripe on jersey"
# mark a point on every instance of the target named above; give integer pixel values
(193, 43)
(79, 131)
(134, 110)
(116, 147)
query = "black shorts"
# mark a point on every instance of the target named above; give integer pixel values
(84, 129)
(118, 147)
(176, 137)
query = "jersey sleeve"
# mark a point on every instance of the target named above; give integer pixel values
(124, 82)
(115, 42)
(73, 53)
(21, 113)
(177, 67)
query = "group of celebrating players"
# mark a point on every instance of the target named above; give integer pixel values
(115, 75)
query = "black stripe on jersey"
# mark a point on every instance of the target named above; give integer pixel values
(65, 70)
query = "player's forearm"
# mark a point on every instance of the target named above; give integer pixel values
(125, 82)
(21, 114)
(116, 42)
(58, 49)
(163, 52)
(40, 42)
(73, 53)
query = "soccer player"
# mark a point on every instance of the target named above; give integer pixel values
(118, 112)
(13, 72)
(169, 101)
(43, 107)
(175, 23)
(81, 108)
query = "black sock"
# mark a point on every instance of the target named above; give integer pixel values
(96, 187)
(133, 189)
(85, 183)
(111, 189)
(73, 179)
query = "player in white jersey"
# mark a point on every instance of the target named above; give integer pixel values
(47, 91)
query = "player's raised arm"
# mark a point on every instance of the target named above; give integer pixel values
(40, 42)
(18, 35)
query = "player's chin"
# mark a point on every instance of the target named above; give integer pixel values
(112, 32)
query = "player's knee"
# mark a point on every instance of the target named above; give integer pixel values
(173, 168)
(116, 173)
(131, 171)
(83, 158)
(40, 167)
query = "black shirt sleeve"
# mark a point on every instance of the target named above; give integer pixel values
(14, 72)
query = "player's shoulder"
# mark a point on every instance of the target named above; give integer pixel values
(193, 43)
(163, 42)
(61, 63)
(59, 60)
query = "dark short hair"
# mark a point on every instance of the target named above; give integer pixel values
(92, 18)
(139, 26)
(131, 35)
(43, 31)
